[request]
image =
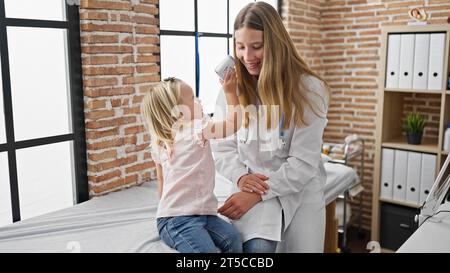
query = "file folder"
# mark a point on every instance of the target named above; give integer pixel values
(413, 177)
(387, 173)
(406, 61)
(421, 55)
(400, 173)
(436, 64)
(427, 175)
(393, 61)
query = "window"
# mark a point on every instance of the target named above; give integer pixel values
(195, 36)
(42, 141)
(43, 184)
(41, 103)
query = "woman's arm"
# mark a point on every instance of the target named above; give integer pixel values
(233, 120)
(159, 175)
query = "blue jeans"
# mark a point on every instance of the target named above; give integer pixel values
(199, 234)
(258, 245)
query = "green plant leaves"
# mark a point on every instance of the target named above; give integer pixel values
(415, 123)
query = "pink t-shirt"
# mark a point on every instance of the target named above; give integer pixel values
(189, 174)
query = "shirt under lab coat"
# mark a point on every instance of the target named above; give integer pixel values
(295, 170)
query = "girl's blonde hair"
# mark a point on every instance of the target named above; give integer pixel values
(279, 82)
(158, 109)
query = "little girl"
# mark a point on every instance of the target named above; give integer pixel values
(187, 212)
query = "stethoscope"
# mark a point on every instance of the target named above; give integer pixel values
(282, 141)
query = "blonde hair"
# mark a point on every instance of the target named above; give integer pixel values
(157, 109)
(279, 80)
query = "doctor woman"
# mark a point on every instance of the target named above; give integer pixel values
(274, 160)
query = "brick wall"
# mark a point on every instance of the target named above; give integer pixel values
(344, 45)
(119, 53)
(302, 19)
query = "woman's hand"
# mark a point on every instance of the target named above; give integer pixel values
(238, 204)
(229, 82)
(253, 182)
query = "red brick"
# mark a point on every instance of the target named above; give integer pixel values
(108, 5)
(97, 60)
(134, 130)
(107, 176)
(106, 92)
(90, 27)
(99, 114)
(99, 39)
(92, 135)
(95, 104)
(110, 123)
(147, 69)
(140, 167)
(117, 70)
(97, 82)
(146, 9)
(141, 79)
(107, 49)
(102, 156)
(94, 16)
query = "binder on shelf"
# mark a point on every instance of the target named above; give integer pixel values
(413, 177)
(393, 61)
(406, 61)
(427, 175)
(421, 55)
(387, 173)
(400, 172)
(436, 61)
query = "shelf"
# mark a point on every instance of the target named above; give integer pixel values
(393, 103)
(400, 90)
(427, 146)
(401, 203)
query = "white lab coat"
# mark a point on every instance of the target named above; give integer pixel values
(293, 210)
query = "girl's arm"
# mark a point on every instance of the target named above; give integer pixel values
(233, 120)
(159, 175)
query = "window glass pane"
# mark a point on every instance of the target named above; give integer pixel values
(178, 58)
(177, 15)
(2, 115)
(5, 193)
(45, 185)
(235, 7)
(212, 52)
(212, 16)
(39, 82)
(31, 9)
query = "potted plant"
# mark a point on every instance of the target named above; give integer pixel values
(415, 124)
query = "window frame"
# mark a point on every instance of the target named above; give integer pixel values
(72, 25)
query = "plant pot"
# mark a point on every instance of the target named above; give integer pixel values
(414, 138)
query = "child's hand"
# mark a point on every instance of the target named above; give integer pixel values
(229, 83)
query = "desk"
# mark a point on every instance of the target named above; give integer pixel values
(431, 236)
